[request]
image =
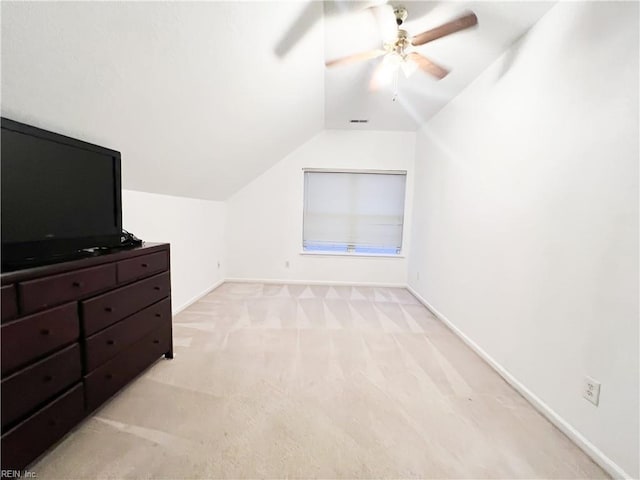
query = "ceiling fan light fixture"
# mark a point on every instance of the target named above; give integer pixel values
(392, 60)
(408, 67)
(384, 74)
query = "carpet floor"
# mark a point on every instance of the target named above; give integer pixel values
(292, 381)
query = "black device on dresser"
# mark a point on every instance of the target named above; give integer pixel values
(85, 308)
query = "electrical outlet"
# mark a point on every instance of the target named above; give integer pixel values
(286, 264)
(591, 390)
(218, 264)
(417, 275)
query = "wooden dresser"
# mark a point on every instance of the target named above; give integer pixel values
(72, 335)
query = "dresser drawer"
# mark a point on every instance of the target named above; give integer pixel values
(30, 438)
(103, 382)
(32, 337)
(107, 309)
(109, 342)
(49, 291)
(143, 266)
(9, 302)
(25, 390)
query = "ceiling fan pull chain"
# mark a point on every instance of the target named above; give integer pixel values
(395, 85)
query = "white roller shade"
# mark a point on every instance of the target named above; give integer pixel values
(353, 210)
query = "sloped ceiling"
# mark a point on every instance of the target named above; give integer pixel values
(202, 97)
(193, 94)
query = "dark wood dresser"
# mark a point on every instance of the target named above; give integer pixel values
(72, 335)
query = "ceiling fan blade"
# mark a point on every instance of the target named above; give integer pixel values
(461, 23)
(308, 17)
(377, 77)
(428, 66)
(385, 20)
(355, 58)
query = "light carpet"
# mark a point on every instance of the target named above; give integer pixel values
(292, 381)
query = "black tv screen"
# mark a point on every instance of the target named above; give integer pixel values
(59, 195)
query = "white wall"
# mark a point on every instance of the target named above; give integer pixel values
(525, 232)
(264, 228)
(195, 229)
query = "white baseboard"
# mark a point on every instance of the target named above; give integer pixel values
(585, 445)
(315, 282)
(197, 297)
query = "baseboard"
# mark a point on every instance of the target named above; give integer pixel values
(315, 282)
(574, 435)
(197, 297)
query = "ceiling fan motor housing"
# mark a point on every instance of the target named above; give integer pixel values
(401, 14)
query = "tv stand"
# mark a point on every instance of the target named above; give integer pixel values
(73, 334)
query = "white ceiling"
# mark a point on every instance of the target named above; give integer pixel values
(193, 94)
(466, 54)
(202, 97)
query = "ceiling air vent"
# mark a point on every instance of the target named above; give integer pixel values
(358, 121)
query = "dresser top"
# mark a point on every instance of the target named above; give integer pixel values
(89, 261)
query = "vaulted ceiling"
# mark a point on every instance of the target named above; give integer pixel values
(193, 94)
(201, 98)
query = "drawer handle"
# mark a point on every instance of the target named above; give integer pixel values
(156, 341)
(158, 315)
(156, 288)
(108, 309)
(144, 265)
(77, 284)
(108, 376)
(47, 378)
(111, 342)
(45, 331)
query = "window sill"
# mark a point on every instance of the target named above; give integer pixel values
(352, 254)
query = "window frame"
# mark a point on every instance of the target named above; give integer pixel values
(348, 253)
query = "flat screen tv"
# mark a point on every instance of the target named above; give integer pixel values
(60, 196)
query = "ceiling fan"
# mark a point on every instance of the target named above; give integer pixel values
(400, 52)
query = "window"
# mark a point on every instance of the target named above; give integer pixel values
(353, 211)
